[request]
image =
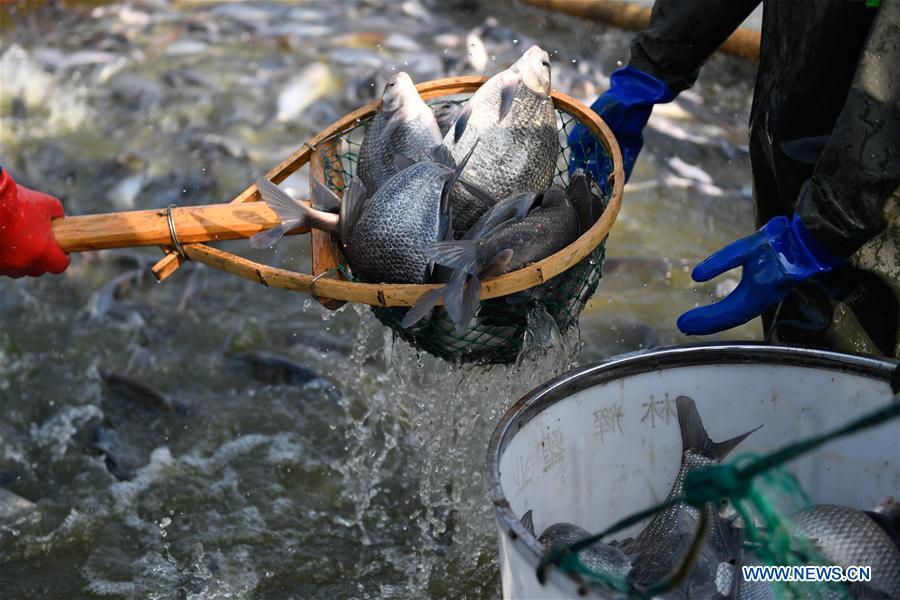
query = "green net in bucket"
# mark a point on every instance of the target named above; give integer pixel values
(498, 329)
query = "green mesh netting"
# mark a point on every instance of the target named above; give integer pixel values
(497, 331)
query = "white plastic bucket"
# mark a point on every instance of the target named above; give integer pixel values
(603, 442)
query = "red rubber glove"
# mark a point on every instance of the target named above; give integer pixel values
(27, 246)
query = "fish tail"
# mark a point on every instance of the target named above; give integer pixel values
(462, 299)
(528, 521)
(694, 436)
(423, 306)
(293, 214)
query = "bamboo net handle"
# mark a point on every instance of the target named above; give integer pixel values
(151, 227)
(627, 15)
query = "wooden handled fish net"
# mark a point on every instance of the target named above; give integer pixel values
(497, 331)
(557, 287)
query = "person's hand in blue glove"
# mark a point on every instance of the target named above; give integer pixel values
(625, 107)
(778, 256)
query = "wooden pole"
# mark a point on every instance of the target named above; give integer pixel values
(151, 227)
(626, 15)
(322, 257)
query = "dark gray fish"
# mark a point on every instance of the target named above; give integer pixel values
(657, 546)
(128, 386)
(446, 114)
(108, 300)
(514, 233)
(382, 236)
(512, 118)
(599, 557)
(404, 124)
(275, 369)
(846, 536)
(384, 239)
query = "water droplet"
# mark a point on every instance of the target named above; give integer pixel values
(515, 41)
(165, 522)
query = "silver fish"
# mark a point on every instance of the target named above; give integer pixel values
(512, 118)
(598, 557)
(515, 232)
(404, 124)
(845, 536)
(657, 545)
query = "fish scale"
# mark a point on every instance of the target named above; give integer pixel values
(385, 244)
(848, 537)
(413, 139)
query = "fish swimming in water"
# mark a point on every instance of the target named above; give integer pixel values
(382, 236)
(515, 232)
(598, 557)
(404, 124)
(513, 119)
(846, 537)
(657, 545)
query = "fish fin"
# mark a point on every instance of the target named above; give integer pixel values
(453, 178)
(442, 156)
(455, 300)
(471, 300)
(527, 521)
(269, 237)
(351, 206)
(402, 162)
(508, 94)
(459, 254)
(462, 119)
(694, 436)
(324, 199)
(524, 204)
(322, 196)
(424, 305)
(277, 199)
(479, 192)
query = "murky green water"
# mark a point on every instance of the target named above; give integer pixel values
(262, 489)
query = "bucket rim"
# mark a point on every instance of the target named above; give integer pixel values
(636, 363)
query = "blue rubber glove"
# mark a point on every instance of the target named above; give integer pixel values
(778, 256)
(626, 108)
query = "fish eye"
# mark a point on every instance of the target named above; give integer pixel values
(391, 84)
(545, 63)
